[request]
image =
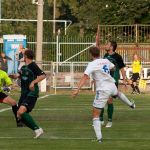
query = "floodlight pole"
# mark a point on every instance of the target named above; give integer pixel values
(54, 16)
(39, 33)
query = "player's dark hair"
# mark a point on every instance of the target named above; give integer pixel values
(114, 45)
(29, 54)
(95, 52)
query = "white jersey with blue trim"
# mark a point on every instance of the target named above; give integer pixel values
(100, 71)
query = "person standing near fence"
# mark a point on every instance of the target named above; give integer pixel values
(136, 70)
(21, 56)
(117, 60)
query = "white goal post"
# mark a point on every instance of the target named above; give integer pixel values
(67, 23)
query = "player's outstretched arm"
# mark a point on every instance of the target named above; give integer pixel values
(80, 84)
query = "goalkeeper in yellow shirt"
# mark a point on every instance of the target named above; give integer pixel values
(5, 83)
(136, 70)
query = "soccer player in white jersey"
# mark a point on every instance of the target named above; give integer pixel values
(105, 87)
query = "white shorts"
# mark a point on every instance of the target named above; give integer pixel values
(103, 95)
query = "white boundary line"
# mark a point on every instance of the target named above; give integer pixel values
(75, 138)
(5, 109)
(84, 109)
(44, 96)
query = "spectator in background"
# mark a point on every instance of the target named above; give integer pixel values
(3, 60)
(21, 56)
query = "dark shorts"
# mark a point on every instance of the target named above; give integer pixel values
(2, 96)
(135, 77)
(27, 101)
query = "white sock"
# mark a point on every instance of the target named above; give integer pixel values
(97, 128)
(124, 99)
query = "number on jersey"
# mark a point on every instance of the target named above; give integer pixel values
(106, 69)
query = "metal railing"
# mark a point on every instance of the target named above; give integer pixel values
(62, 48)
(69, 74)
(137, 33)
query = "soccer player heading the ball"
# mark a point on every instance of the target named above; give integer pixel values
(117, 60)
(30, 75)
(105, 87)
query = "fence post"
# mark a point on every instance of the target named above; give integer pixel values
(57, 52)
(54, 78)
(72, 74)
(136, 33)
(65, 27)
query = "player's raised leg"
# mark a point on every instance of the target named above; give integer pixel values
(124, 99)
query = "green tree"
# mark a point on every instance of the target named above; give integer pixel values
(85, 15)
(19, 9)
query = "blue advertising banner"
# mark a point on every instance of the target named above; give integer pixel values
(11, 49)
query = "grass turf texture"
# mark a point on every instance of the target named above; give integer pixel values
(67, 124)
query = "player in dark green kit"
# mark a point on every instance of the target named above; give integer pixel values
(117, 60)
(30, 74)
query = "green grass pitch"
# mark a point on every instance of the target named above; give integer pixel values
(67, 125)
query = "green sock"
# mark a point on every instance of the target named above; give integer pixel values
(102, 115)
(28, 120)
(110, 110)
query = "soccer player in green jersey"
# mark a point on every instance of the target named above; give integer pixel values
(30, 74)
(117, 60)
(5, 82)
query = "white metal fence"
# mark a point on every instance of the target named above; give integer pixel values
(67, 75)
